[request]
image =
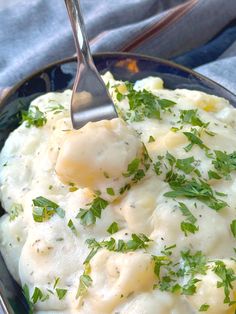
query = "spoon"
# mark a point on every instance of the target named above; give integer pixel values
(90, 98)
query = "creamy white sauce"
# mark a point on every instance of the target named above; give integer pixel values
(43, 161)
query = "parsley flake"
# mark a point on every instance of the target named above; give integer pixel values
(188, 227)
(204, 307)
(44, 209)
(227, 277)
(113, 228)
(39, 296)
(61, 293)
(187, 213)
(194, 139)
(72, 227)
(191, 117)
(88, 216)
(28, 299)
(143, 104)
(33, 117)
(195, 189)
(85, 282)
(110, 191)
(137, 241)
(233, 227)
(224, 163)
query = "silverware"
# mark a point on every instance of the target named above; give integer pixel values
(90, 99)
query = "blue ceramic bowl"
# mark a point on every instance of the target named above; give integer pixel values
(60, 76)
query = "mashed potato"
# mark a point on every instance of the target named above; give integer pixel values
(135, 215)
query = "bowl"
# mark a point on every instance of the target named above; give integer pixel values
(60, 76)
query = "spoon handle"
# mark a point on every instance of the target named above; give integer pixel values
(77, 23)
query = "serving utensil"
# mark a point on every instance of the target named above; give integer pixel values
(90, 98)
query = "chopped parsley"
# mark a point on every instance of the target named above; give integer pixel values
(56, 108)
(61, 293)
(85, 282)
(227, 277)
(187, 213)
(72, 227)
(56, 282)
(33, 117)
(189, 224)
(186, 164)
(213, 175)
(88, 216)
(15, 210)
(110, 191)
(137, 241)
(28, 299)
(191, 265)
(233, 228)
(134, 170)
(194, 139)
(143, 104)
(224, 163)
(188, 227)
(151, 139)
(113, 228)
(198, 189)
(44, 209)
(39, 296)
(204, 307)
(191, 117)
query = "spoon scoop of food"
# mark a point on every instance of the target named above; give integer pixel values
(90, 98)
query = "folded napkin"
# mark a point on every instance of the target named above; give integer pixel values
(194, 33)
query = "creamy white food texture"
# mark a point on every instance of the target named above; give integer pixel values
(160, 179)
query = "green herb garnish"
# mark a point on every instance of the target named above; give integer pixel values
(143, 104)
(28, 299)
(113, 228)
(233, 228)
(39, 296)
(191, 117)
(224, 163)
(194, 139)
(61, 293)
(44, 209)
(188, 227)
(110, 191)
(204, 307)
(72, 227)
(88, 216)
(187, 213)
(85, 282)
(137, 241)
(196, 189)
(151, 139)
(227, 277)
(33, 117)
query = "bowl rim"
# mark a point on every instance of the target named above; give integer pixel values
(11, 90)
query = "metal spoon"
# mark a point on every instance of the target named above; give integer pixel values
(90, 98)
